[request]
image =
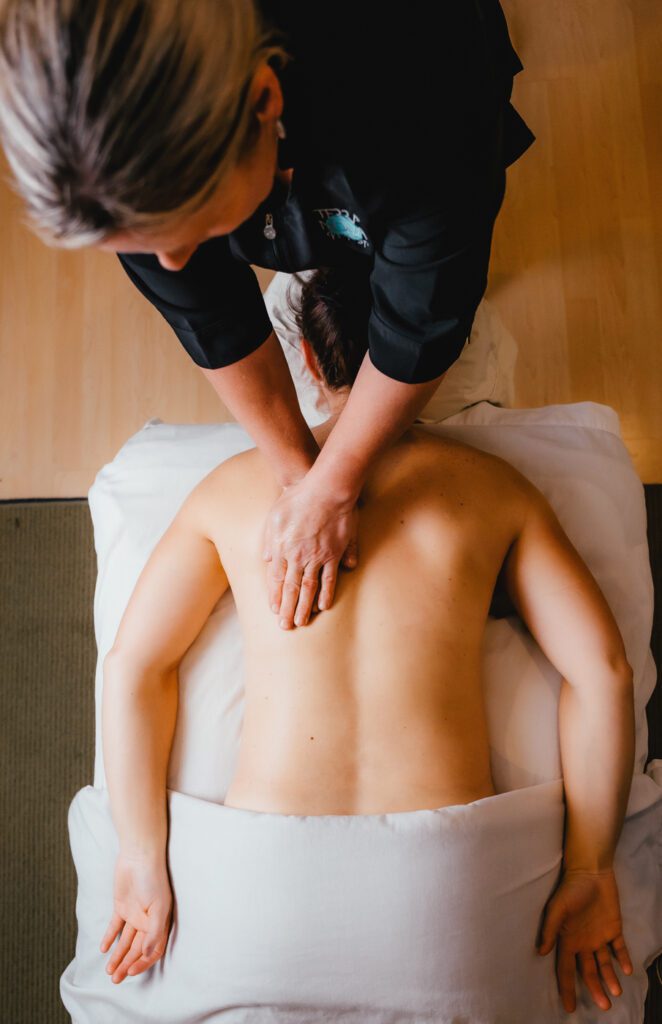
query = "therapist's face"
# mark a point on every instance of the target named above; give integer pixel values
(246, 187)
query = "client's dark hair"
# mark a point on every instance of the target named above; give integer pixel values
(332, 314)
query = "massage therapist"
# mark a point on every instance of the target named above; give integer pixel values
(195, 139)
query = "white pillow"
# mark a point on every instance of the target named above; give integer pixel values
(484, 370)
(573, 453)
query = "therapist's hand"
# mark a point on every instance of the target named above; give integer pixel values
(308, 534)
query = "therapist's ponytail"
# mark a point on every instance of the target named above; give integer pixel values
(126, 114)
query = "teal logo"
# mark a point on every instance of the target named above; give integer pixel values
(338, 223)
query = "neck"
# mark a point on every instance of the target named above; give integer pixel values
(337, 402)
(322, 431)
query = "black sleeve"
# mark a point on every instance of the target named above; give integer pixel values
(213, 304)
(428, 277)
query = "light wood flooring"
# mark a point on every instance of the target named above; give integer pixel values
(576, 271)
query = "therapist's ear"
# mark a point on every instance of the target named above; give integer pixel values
(266, 95)
(311, 361)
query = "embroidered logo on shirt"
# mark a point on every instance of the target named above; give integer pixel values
(338, 223)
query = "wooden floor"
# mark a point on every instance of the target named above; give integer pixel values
(576, 271)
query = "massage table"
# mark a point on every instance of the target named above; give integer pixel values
(428, 915)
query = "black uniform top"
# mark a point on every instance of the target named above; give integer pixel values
(399, 128)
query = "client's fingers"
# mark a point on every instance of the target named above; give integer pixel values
(133, 953)
(603, 956)
(565, 972)
(121, 948)
(622, 955)
(141, 965)
(589, 972)
(148, 960)
(111, 931)
(328, 585)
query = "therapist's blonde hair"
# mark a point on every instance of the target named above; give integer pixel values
(126, 114)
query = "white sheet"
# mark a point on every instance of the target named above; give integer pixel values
(405, 918)
(575, 454)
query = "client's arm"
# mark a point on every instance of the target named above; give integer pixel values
(568, 615)
(173, 597)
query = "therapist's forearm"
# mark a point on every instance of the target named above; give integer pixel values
(138, 724)
(376, 414)
(259, 392)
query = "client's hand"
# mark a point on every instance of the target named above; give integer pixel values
(307, 530)
(584, 913)
(143, 908)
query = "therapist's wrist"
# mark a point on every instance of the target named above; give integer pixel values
(294, 466)
(337, 475)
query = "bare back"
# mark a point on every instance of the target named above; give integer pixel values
(376, 705)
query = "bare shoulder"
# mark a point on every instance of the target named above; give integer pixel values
(494, 478)
(518, 493)
(218, 493)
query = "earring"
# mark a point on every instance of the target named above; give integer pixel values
(280, 129)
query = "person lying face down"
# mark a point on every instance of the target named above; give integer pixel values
(377, 705)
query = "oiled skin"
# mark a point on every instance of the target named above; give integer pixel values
(376, 705)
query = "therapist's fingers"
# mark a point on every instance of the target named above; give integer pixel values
(277, 570)
(266, 541)
(290, 595)
(309, 584)
(351, 557)
(328, 584)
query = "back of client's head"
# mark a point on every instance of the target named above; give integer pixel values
(332, 315)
